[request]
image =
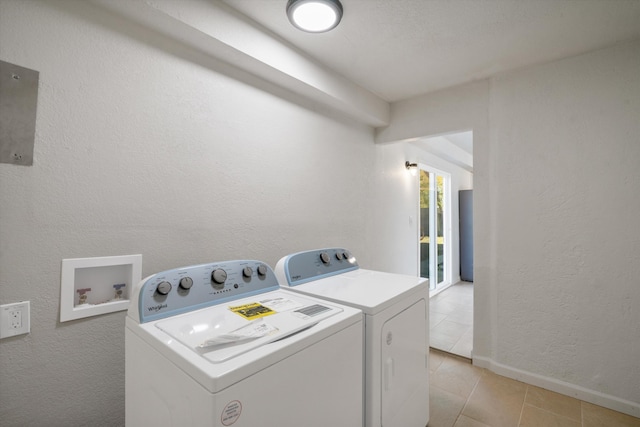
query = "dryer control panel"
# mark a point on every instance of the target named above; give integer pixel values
(190, 288)
(306, 266)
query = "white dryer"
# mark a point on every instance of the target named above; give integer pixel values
(221, 344)
(396, 309)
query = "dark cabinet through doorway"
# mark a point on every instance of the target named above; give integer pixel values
(466, 235)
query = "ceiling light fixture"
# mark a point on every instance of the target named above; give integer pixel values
(314, 16)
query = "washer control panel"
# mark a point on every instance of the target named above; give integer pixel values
(190, 288)
(313, 265)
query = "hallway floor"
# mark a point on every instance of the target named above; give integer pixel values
(451, 320)
(463, 395)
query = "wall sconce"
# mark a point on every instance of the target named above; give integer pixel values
(314, 16)
(411, 167)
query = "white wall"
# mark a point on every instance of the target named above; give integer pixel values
(144, 146)
(566, 141)
(556, 154)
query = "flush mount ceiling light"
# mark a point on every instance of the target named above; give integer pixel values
(314, 16)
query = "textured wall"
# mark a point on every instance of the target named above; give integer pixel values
(143, 146)
(566, 137)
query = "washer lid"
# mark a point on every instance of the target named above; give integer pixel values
(226, 331)
(370, 291)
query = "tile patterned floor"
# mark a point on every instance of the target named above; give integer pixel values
(451, 319)
(463, 395)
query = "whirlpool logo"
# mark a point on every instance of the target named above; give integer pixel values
(157, 307)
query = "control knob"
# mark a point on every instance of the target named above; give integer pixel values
(186, 283)
(218, 277)
(262, 270)
(163, 288)
(324, 257)
(247, 271)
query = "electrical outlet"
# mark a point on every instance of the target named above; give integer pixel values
(14, 319)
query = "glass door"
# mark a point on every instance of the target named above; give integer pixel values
(434, 227)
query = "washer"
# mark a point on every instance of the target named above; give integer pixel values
(221, 344)
(396, 309)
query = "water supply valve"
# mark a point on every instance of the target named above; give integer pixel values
(83, 295)
(119, 290)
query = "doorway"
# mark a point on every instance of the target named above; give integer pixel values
(439, 253)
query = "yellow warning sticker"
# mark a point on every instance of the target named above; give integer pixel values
(251, 311)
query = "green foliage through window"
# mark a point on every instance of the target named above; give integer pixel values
(424, 190)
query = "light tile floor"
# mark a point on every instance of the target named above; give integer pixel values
(463, 395)
(451, 319)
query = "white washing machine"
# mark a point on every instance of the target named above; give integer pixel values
(396, 309)
(222, 344)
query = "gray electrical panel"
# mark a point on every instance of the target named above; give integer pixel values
(18, 104)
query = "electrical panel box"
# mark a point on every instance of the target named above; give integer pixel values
(18, 105)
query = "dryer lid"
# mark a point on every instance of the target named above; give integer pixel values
(368, 290)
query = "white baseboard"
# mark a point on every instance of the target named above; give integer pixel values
(568, 389)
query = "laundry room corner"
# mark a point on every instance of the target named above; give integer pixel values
(144, 136)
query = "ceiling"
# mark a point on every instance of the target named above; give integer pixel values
(399, 49)
(385, 51)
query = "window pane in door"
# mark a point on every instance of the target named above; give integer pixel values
(433, 228)
(424, 224)
(440, 227)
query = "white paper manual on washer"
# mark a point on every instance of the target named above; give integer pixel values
(260, 327)
(254, 330)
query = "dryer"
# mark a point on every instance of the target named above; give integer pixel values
(396, 309)
(221, 344)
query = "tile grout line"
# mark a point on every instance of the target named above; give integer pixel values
(555, 414)
(469, 397)
(526, 392)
